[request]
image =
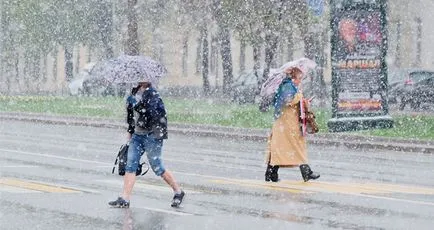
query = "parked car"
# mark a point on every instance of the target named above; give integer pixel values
(87, 85)
(411, 86)
(76, 84)
(245, 87)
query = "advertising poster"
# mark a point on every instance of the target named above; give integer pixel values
(358, 62)
(359, 70)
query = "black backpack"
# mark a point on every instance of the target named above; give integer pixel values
(121, 162)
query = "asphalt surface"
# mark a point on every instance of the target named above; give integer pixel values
(59, 177)
(351, 141)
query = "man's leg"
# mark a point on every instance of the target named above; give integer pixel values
(129, 181)
(153, 152)
(179, 194)
(170, 180)
(134, 152)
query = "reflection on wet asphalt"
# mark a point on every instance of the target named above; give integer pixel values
(54, 176)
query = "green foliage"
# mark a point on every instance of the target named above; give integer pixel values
(73, 106)
(40, 25)
(412, 126)
(200, 111)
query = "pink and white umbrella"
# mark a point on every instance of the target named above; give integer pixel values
(270, 86)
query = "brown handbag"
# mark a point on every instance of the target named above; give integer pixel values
(311, 125)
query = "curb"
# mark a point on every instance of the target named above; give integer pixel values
(329, 139)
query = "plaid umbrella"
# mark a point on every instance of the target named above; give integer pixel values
(130, 69)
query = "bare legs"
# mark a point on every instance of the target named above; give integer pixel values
(170, 180)
(130, 180)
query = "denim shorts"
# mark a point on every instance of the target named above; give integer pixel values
(140, 144)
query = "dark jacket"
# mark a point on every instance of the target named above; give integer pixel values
(147, 112)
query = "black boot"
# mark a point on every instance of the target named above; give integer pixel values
(274, 174)
(307, 173)
(268, 173)
(271, 173)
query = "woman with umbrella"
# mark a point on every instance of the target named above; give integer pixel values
(287, 144)
(147, 121)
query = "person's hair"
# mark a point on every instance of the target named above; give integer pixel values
(147, 84)
(292, 72)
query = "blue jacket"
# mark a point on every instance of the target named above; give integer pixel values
(285, 92)
(150, 112)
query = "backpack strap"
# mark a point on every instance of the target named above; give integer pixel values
(146, 171)
(117, 157)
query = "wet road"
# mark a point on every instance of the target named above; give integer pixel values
(59, 177)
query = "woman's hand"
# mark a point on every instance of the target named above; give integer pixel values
(310, 99)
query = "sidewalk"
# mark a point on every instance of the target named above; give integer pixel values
(330, 139)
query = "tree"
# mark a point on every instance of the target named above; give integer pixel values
(223, 15)
(205, 61)
(5, 44)
(68, 25)
(197, 16)
(153, 14)
(272, 27)
(132, 46)
(102, 17)
(261, 24)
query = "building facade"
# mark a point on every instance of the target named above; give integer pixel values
(410, 31)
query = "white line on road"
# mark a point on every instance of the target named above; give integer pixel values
(53, 156)
(201, 175)
(19, 166)
(199, 162)
(395, 199)
(147, 186)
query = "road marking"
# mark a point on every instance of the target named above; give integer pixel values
(102, 164)
(220, 164)
(401, 188)
(361, 189)
(12, 189)
(148, 186)
(36, 186)
(330, 187)
(335, 187)
(356, 189)
(54, 156)
(261, 185)
(396, 199)
(19, 166)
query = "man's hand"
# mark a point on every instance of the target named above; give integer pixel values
(129, 136)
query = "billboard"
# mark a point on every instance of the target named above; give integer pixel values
(359, 71)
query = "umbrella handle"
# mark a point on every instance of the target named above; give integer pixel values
(303, 117)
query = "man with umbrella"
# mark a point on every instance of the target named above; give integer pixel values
(147, 122)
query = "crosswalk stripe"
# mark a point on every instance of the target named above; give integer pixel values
(330, 187)
(36, 186)
(12, 189)
(260, 185)
(148, 186)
